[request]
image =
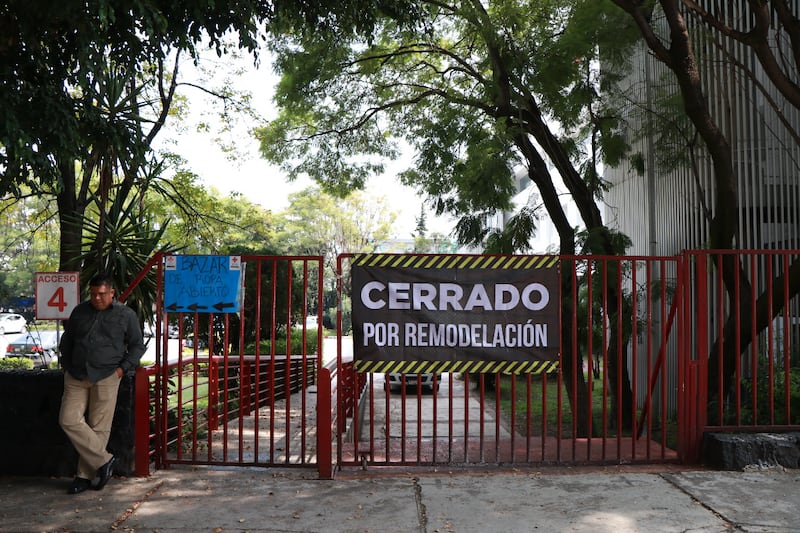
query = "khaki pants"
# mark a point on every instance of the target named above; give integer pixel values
(87, 411)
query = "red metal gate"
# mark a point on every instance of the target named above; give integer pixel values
(639, 338)
(612, 397)
(238, 389)
(742, 343)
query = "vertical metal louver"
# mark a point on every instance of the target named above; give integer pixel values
(766, 156)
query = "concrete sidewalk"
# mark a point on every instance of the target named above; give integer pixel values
(248, 499)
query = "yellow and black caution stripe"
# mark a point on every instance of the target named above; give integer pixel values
(476, 367)
(455, 261)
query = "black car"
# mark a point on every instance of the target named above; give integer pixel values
(39, 346)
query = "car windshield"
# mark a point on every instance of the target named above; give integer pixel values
(18, 338)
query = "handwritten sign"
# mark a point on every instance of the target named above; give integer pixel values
(202, 283)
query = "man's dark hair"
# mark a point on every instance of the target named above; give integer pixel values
(102, 279)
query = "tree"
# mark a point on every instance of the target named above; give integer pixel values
(203, 222)
(672, 29)
(121, 242)
(422, 224)
(317, 223)
(320, 224)
(470, 106)
(28, 244)
(51, 49)
(420, 234)
(476, 88)
(424, 243)
(73, 76)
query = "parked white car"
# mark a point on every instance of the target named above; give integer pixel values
(12, 323)
(428, 380)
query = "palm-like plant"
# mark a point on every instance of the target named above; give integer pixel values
(121, 243)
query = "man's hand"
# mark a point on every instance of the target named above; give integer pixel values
(119, 372)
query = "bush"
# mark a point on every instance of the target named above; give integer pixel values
(777, 408)
(16, 363)
(280, 343)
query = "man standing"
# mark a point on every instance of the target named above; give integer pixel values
(102, 341)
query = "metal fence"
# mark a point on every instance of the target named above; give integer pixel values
(233, 388)
(653, 353)
(743, 342)
(611, 397)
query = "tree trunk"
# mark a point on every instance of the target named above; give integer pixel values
(679, 57)
(70, 212)
(571, 358)
(619, 382)
(520, 112)
(737, 332)
(600, 241)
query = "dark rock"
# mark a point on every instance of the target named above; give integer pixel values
(737, 451)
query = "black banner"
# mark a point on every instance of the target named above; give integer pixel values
(488, 312)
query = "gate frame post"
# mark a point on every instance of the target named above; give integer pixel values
(213, 393)
(324, 425)
(695, 378)
(141, 446)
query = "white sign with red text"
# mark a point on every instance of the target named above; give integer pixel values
(57, 293)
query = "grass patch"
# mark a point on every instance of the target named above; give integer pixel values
(189, 400)
(534, 406)
(189, 392)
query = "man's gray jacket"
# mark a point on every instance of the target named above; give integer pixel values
(96, 343)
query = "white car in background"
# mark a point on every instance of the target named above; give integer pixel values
(12, 323)
(427, 380)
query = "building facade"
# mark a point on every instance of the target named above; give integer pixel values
(663, 198)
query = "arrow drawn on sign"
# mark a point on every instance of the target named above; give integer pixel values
(172, 307)
(195, 307)
(219, 306)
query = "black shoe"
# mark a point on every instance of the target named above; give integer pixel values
(79, 485)
(104, 473)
